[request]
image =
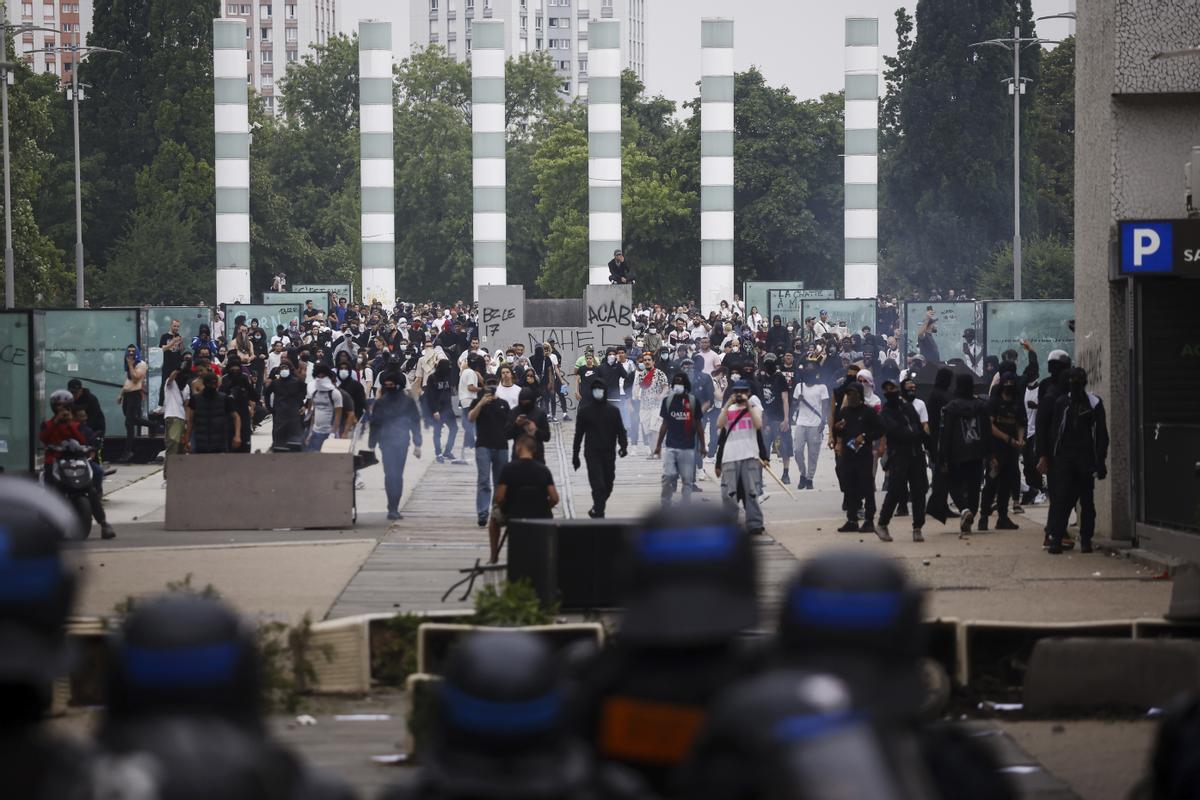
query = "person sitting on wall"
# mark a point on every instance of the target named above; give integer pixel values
(618, 270)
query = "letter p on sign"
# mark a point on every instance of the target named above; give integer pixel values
(1147, 247)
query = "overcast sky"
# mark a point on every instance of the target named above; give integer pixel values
(796, 43)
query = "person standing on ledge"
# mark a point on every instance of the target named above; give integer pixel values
(618, 270)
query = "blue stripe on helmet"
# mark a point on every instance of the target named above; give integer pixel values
(834, 609)
(687, 544)
(811, 726)
(491, 716)
(27, 579)
(206, 665)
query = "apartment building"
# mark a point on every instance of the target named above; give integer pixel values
(557, 27)
(280, 33)
(70, 21)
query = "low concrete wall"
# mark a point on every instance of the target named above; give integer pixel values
(260, 491)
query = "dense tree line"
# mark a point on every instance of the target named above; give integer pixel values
(149, 195)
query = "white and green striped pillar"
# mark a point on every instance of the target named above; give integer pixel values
(604, 146)
(376, 158)
(232, 159)
(716, 162)
(488, 169)
(862, 158)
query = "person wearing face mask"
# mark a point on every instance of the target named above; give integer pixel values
(395, 421)
(778, 338)
(1078, 453)
(613, 374)
(741, 454)
(284, 396)
(738, 360)
(653, 340)
(811, 400)
(213, 424)
(1006, 408)
(855, 433)
(965, 431)
(240, 389)
(682, 430)
(326, 406)
(905, 461)
(430, 356)
(599, 422)
(508, 390)
(773, 391)
(1058, 363)
(650, 387)
(527, 419)
(439, 391)
(585, 373)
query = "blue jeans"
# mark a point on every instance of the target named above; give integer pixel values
(395, 456)
(678, 465)
(450, 421)
(622, 404)
(488, 464)
(315, 440)
(468, 430)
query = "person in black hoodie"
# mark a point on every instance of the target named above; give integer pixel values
(600, 422)
(1006, 407)
(284, 396)
(1049, 390)
(528, 419)
(394, 421)
(905, 461)
(95, 412)
(778, 339)
(241, 391)
(856, 431)
(963, 446)
(938, 507)
(1079, 450)
(439, 394)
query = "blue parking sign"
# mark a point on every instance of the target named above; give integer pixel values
(1147, 247)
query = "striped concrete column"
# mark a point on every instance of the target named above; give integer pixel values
(716, 162)
(377, 170)
(487, 127)
(862, 157)
(604, 146)
(232, 160)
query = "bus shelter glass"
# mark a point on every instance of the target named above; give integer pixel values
(89, 344)
(1045, 323)
(950, 321)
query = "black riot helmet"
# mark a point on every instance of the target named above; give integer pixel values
(795, 734)
(184, 654)
(499, 723)
(690, 579)
(37, 588)
(856, 615)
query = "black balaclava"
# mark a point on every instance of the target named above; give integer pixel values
(964, 386)
(891, 394)
(943, 379)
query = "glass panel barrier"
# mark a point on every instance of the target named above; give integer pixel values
(157, 322)
(22, 388)
(1045, 323)
(89, 344)
(855, 313)
(949, 340)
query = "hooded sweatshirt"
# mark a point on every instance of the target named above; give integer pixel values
(527, 406)
(600, 422)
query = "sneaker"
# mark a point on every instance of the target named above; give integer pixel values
(696, 488)
(1068, 543)
(482, 520)
(448, 455)
(902, 511)
(1085, 547)
(1016, 509)
(458, 461)
(808, 484)
(394, 515)
(441, 459)
(1054, 550)
(983, 524)
(701, 476)
(1045, 541)
(594, 514)
(917, 537)
(1040, 499)
(1006, 524)
(553, 418)
(868, 526)
(851, 526)
(566, 417)
(107, 532)
(758, 532)
(882, 532)
(785, 477)
(964, 523)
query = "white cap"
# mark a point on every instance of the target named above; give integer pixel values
(1059, 355)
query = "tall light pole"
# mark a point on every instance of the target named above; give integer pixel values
(6, 68)
(1016, 87)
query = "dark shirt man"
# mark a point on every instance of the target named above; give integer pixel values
(618, 270)
(600, 423)
(83, 397)
(490, 415)
(529, 420)
(285, 396)
(240, 390)
(524, 490)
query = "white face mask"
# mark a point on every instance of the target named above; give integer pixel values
(343, 373)
(612, 359)
(284, 373)
(510, 359)
(677, 389)
(598, 394)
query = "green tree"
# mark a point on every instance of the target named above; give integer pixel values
(561, 167)
(1052, 137)
(945, 190)
(1047, 270)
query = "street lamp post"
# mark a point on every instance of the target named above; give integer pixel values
(10, 287)
(1016, 87)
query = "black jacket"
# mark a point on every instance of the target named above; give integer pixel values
(618, 272)
(905, 436)
(1049, 391)
(95, 413)
(1072, 421)
(859, 420)
(394, 415)
(542, 435)
(285, 398)
(964, 414)
(601, 424)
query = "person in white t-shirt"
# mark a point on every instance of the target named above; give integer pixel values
(823, 326)
(741, 454)
(811, 398)
(710, 357)
(176, 391)
(508, 390)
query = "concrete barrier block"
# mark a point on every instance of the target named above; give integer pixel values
(260, 491)
(1087, 674)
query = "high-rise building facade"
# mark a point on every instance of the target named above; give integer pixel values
(280, 33)
(557, 27)
(69, 18)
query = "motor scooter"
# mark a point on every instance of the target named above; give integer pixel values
(71, 476)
